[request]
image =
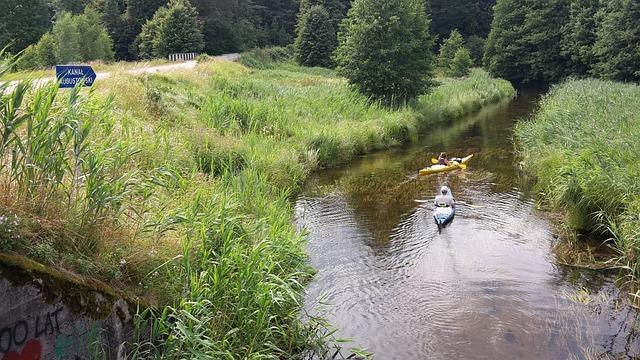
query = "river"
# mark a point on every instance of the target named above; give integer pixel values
(487, 287)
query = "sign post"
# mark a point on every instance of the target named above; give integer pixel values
(70, 75)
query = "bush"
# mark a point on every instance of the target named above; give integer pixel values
(316, 38)
(369, 54)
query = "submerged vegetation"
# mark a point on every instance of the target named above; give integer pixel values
(582, 145)
(177, 188)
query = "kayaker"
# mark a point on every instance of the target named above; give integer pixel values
(445, 198)
(442, 159)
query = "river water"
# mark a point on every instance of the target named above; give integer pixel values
(487, 287)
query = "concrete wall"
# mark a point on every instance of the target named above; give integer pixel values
(46, 314)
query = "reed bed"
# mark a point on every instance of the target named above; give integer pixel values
(178, 188)
(582, 146)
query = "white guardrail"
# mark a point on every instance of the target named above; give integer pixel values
(182, 56)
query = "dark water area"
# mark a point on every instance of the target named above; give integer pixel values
(487, 287)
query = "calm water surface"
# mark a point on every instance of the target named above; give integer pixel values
(486, 288)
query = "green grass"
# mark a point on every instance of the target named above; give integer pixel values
(178, 188)
(582, 145)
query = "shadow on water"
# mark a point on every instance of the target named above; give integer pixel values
(487, 287)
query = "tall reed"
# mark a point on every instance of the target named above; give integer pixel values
(583, 145)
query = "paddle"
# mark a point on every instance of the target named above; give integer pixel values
(434, 161)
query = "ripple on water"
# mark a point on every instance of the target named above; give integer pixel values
(485, 288)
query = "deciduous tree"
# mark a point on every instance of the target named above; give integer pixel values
(385, 49)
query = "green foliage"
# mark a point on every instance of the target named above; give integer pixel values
(50, 160)
(63, 43)
(476, 45)
(95, 40)
(22, 23)
(461, 63)
(449, 48)
(70, 6)
(617, 47)
(582, 145)
(67, 38)
(471, 17)
(385, 49)
(171, 30)
(337, 9)
(525, 39)
(579, 35)
(316, 38)
(42, 54)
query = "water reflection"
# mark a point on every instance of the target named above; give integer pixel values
(487, 287)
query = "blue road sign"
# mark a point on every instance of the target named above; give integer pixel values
(70, 75)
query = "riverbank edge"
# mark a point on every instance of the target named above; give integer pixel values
(594, 233)
(434, 109)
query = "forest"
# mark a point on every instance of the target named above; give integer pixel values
(49, 28)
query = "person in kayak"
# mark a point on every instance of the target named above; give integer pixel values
(442, 159)
(445, 198)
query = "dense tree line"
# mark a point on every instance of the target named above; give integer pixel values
(227, 25)
(535, 41)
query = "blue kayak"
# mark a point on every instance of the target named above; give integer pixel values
(443, 215)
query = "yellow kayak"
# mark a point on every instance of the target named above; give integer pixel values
(442, 168)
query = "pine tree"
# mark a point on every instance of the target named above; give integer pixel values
(316, 39)
(23, 22)
(337, 9)
(136, 14)
(96, 42)
(617, 47)
(70, 6)
(524, 43)
(67, 39)
(147, 39)
(451, 45)
(112, 16)
(461, 63)
(448, 15)
(171, 30)
(579, 35)
(385, 49)
(476, 45)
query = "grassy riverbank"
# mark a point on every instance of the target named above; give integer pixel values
(582, 146)
(177, 188)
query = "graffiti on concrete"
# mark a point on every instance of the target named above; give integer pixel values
(45, 315)
(17, 334)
